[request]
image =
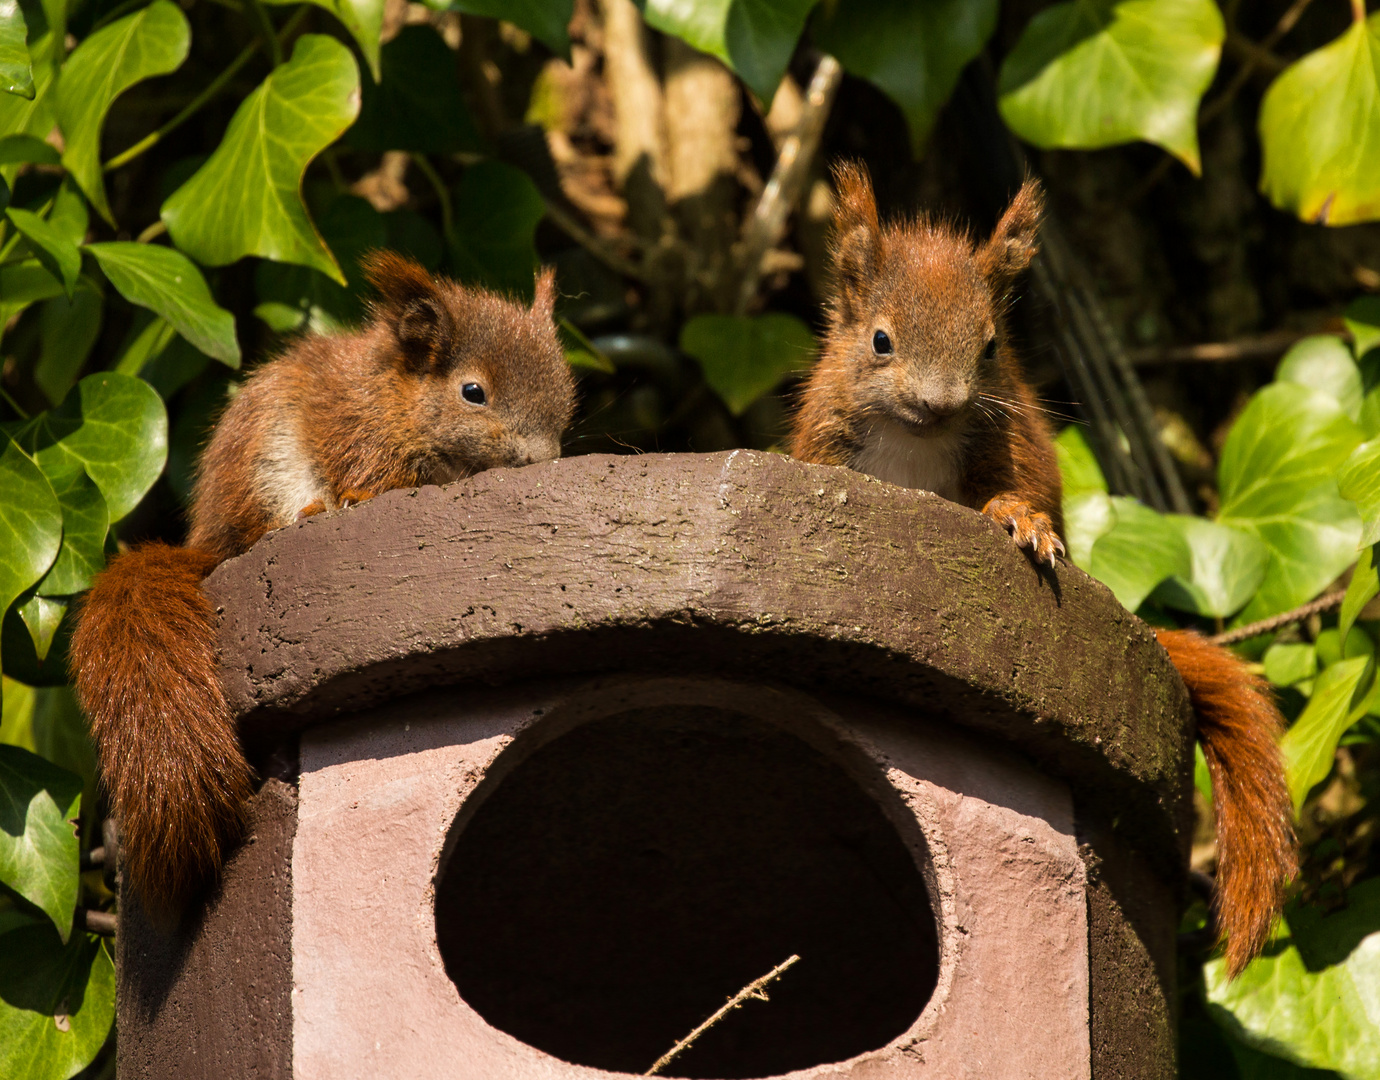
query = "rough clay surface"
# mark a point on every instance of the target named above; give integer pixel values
(379, 796)
(731, 562)
(213, 999)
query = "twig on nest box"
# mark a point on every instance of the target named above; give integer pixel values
(756, 989)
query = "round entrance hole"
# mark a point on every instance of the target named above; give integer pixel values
(628, 877)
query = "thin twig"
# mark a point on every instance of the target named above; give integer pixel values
(1275, 622)
(755, 989)
(270, 36)
(1254, 347)
(97, 922)
(763, 228)
(568, 224)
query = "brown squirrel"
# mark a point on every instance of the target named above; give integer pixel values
(441, 382)
(918, 385)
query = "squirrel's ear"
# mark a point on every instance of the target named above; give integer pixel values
(410, 300)
(1015, 239)
(544, 303)
(857, 238)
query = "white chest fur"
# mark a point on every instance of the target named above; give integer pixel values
(287, 481)
(893, 454)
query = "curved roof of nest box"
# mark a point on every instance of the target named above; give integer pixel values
(740, 564)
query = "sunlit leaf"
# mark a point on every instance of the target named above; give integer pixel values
(16, 75)
(1311, 998)
(41, 616)
(1323, 362)
(115, 428)
(497, 208)
(1077, 463)
(545, 20)
(67, 331)
(1139, 551)
(417, 106)
(1320, 131)
(58, 1004)
(1087, 518)
(24, 283)
(364, 20)
(1093, 73)
(30, 522)
(1338, 701)
(753, 37)
(1277, 478)
(167, 282)
(38, 841)
(1227, 567)
(151, 41)
(912, 51)
(294, 298)
(1290, 663)
(1359, 481)
(85, 521)
(15, 149)
(1328, 645)
(1364, 587)
(58, 255)
(47, 46)
(744, 357)
(246, 199)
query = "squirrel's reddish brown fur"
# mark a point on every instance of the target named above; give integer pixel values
(918, 385)
(441, 382)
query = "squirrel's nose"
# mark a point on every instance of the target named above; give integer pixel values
(938, 402)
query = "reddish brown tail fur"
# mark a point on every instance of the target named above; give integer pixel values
(145, 670)
(1238, 724)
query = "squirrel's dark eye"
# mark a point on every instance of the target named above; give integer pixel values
(473, 393)
(881, 344)
(990, 352)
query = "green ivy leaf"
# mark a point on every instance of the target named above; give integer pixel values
(167, 282)
(58, 1004)
(1320, 131)
(24, 283)
(294, 298)
(58, 255)
(1277, 479)
(1323, 362)
(113, 426)
(30, 522)
(1139, 551)
(1290, 663)
(497, 208)
(41, 616)
(246, 199)
(47, 44)
(67, 331)
(1338, 701)
(1077, 463)
(417, 106)
(16, 74)
(1226, 568)
(1311, 998)
(1087, 518)
(1094, 73)
(1364, 587)
(22, 149)
(545, 20)
(61, 736)
(744, 357)
(364, 20)
(85, 521)
(755, 38)
(1359, 481)
(1362, 320)
(911, 51)
(152, 41)
(38, 841)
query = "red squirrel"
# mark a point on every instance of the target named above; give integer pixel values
(441, 382)
(918, 385)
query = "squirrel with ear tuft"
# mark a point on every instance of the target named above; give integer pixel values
(918, 385)
(441, 382)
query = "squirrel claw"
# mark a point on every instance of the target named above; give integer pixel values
(353, 497)
(311, 510)
(1031, 529)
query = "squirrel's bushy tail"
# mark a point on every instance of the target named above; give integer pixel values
(144, 664)
(1238, 725)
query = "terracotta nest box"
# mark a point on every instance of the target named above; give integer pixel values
(568, 755)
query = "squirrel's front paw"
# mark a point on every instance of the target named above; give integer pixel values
(1030, 528)
(353, 497)
(311, 510)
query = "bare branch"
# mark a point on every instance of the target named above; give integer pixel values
(1275, 622)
